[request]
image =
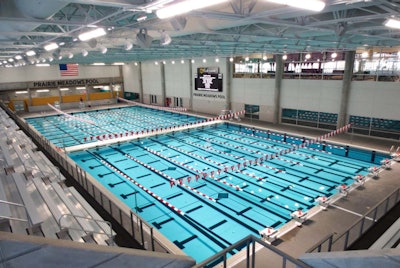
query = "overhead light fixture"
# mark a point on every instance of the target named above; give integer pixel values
(216, 59)
(165, 39)
(182, 61)
(70, 56)
(128, 46)
(173, 62)
(364, 54)
(51, 59)
(284, 57)
(103, 50)
(247, 59)
(313, 5)
(231, 59)
(92, 34)
(141, 18)
(50, 46)
(192, 61)
(62, 43)
(308, 56)
(98, 87)
(10, 59)
(42, 90)
(64, 89)
(18, 57)
(265, 58)
(60, 57)
(184, 7)
(204, 60)
(80, 88)
(136, 64)
(42, 65)
(118, 63)
(334, 55)
(21, 92)
(30, 53)
(84, 52)
(156, 63)
(392, 23)
(164, 62)
(98, 63)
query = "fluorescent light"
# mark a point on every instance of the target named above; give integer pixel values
(98, 86)
(42, 65)
(62, 43)
(204, 60)
(313, 5)
(42, 90)
(182, 61)
(217, 60)
(184, 7)
(308, 56)
(98, 63)
(84, 52)
(21, 92)
(64, 89)
(92, 34)
(284, 57)
(50, 46)
(231, 59)
(136, 64)
(18, 57)
(141, 18)
(80, 87)
(334, 55)
(392, 23)
(173, 62)
(10, 59)
(70, 56)
(30, 53)
(192, 61)
(118, 63)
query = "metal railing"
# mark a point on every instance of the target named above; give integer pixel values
(88, 219)
(250, 242)
(4, 202)
(340, 242)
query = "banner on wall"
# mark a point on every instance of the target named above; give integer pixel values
(208, 79)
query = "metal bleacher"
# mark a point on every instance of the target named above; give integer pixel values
(34, 199)
(390, 238)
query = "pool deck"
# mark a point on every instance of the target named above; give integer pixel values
(344, 212)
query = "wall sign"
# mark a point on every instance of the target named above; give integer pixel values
(75, 82)
(208, 79)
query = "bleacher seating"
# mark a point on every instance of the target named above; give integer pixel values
(303, 117)
(389, 239)
(34, 183)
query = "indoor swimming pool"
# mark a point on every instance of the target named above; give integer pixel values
(65, 131)
(206, 188)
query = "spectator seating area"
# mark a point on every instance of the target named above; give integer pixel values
(380, 127)
(309, 118)
(34, 198)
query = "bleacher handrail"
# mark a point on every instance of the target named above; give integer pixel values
(76, 217)
(12, 218)
(251, 240)
(374, 210)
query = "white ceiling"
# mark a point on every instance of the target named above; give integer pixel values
(238, 27)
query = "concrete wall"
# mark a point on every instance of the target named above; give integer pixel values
(130, 73)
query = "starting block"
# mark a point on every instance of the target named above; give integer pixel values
(373, 171)
(322, 201)
(359, 179)
(299, 216)
(386, 164)
(269, 234)
(343, 189)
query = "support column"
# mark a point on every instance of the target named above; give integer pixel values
(190, 85)
(163, 89)
(346, 86)
(141, 99)
(277, 90)
(229, 70)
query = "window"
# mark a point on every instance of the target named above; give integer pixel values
(153, 98)
(252, 111)
(178, 102)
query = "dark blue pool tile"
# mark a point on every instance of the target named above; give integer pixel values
(173, 196)
(243, 211)
(181, 244)
(217, 224)
(93, 167)
(157, 185)
(131, 167)
(121, 160)
(145, 175)
(193, 209)
(112, 185)
(159, 225)
(105, 174)
(140, 209)
(125, 196)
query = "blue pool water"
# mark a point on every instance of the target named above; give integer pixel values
(63, 131)
(269, 191)
(210, 212)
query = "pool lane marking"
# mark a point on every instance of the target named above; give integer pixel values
(191, 168)
(170, 178)
(351, 212)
